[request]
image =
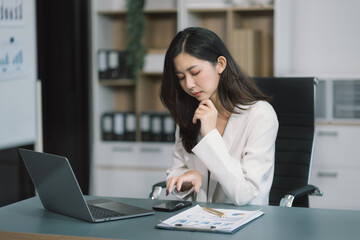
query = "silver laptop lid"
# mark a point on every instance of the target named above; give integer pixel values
(56, 184)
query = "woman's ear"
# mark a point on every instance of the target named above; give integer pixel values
(221, 64)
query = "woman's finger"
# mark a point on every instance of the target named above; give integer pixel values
(170, 184)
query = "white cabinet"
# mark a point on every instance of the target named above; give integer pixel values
(129, 169)
(126, 181)
(340, 187)
(336, 167)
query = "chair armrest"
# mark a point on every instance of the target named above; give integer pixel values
(288, 199)
(156, 190)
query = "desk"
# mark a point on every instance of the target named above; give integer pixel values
(29, 216)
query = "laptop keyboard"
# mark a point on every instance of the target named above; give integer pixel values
(98, 212)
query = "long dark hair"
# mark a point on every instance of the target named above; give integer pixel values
(235, 87)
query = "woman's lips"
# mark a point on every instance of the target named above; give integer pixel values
(196, 94)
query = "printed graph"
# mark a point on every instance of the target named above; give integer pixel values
(11, 12)
(11, 58)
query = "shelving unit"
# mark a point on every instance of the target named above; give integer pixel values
(118, 168)
(215, 20)
(128, 168)
(112, 26)
(261, 20)
(225, 21)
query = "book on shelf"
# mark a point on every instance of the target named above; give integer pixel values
(247, 50)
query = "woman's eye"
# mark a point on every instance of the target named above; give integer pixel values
(196, 73)
(180, 77)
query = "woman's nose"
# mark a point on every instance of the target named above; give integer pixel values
(189, 82)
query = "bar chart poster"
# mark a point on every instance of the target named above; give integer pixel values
(18, 73)
(12, 12)
(12, 58)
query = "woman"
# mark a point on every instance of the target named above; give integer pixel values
(226, 129)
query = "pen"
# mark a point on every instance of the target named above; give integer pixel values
(193, 228)
(215, 212)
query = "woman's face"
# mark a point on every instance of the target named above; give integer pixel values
(198, 78)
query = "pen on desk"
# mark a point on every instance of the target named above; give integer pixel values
(194, 228)
(215, 212)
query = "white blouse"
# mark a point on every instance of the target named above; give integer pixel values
(241, 162)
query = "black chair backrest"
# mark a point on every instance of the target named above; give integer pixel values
(293, 101)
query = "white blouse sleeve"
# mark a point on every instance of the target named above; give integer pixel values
(244, 176)
(179, 166)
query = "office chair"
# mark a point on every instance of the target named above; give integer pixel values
(293, 100)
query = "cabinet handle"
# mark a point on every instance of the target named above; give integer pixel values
(328, 133)
(123, 149)
(150, 150)
(327, 174)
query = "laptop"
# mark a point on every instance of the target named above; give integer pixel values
(60, 192)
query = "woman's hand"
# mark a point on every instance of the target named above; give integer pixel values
(207, 114)
(185, 182)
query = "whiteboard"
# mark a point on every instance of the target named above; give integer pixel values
(18, 73)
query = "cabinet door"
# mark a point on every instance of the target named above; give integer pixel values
(336, 167)
(134, 154)
(130, 170)
(125, 182)
(337, 146)
(340, 187)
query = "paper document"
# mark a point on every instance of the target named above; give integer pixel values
(197, 219)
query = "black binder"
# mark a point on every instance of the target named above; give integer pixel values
(130, 126)
(168, 128)
(156, 127)
(145, 126)
(102, 64)
(119, 126)
(107, 125)
(116, 64)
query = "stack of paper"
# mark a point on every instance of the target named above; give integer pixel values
(197, 219)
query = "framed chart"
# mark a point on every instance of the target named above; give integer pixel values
(18, 73)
